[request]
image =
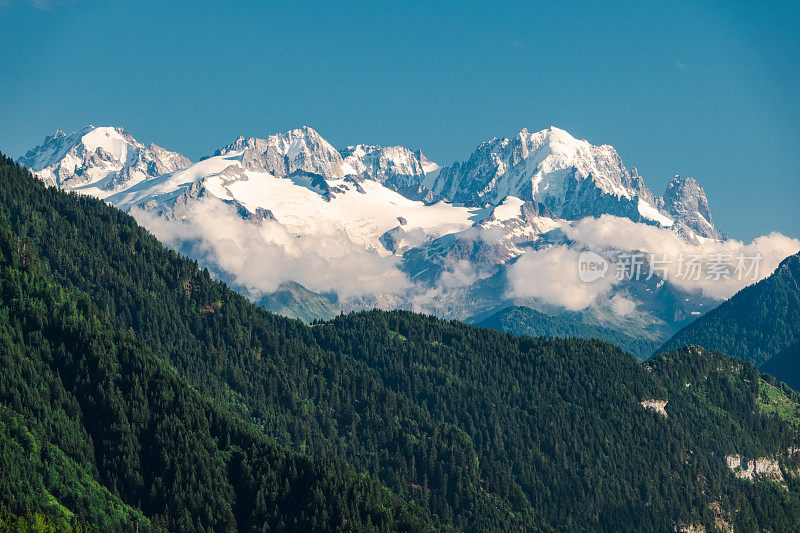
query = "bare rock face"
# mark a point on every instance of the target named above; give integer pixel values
(301, 149)
(356, 183)
(760, 469)
(659, 406)
(531, 210)
(685, 200)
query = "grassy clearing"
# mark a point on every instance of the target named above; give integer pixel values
(774, 400)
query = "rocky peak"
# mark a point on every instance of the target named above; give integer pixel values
(572, 177)
(281, 154)
(686, 201)
(384, 162)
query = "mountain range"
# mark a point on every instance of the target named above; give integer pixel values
(139, 394)
(571, 177)
(386, 227)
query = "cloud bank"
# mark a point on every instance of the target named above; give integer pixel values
(258, 258)
(613, 233)
(552, 274)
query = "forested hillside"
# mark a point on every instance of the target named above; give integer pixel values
(138, 367)
(95, 430)
(756, 323)
(526, 321)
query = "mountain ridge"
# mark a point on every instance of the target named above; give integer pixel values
(563, 166)
(521, 320)
(384, 231)
(756, 323)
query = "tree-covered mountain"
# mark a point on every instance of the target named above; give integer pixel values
(521, 320)
(173, 398)
(756, 323)
(95, 428)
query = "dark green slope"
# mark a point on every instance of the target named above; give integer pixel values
(526, 321)
(731, 409)
(756, 323)
(266, 368)
(786, 365)
(484, 430)
(94, 428)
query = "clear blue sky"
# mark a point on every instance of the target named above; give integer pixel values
(710, 90)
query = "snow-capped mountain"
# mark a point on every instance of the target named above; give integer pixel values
(574, 179)
(304, 202)
(99, 161)
(283, 153)
(381, 163)
(304, 150)
(397, 167)
(388, 227)
(571, 177)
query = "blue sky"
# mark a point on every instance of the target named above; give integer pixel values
(702, 89)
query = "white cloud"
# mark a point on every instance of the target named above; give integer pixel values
(456, 275)
(552, 275)
(622, 305)
(461, 273)
(259, 258)
(613, 233)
